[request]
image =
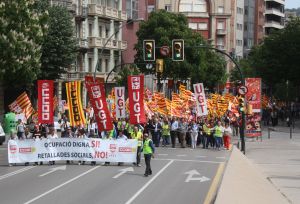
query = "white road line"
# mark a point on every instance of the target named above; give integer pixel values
(220, 157)
(201, 156)
(162, 154)
(16, 172)
(187, 160)
(181, 155)
(61, 185)
(148, 183)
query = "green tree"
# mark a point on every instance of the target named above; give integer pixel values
(59, 46)
(21, 35)
(246, 69)
(200, 64)
(124, 72)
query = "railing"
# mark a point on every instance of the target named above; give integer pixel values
(221, 31)
(220, 47)
(108, 12)
(111, 44)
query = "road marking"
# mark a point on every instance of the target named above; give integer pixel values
(201, 156)
(162, 154)
(148, 183)
(16, 172)
(53, 170)
(220, 157)
(214, 185)
(61, 185)
(181, 155)
(187, 160)
(191, 178)
(123, 171)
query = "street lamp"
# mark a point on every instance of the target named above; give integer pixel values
(242, 133)
(110, 37)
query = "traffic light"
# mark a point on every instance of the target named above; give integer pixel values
(178, 50)
(149, 50)
(242, 104)
(159, 65)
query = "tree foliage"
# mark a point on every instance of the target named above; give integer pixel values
(200, 64)
(277, 59)
(59, 45)
(124, 72)
(21, 35)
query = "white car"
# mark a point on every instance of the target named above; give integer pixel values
(2, 135)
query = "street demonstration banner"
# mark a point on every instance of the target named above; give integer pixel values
(136, 99)
(76, 114)
(120, 102)
(200, 99)
(98, 100)
(45, 101)
(21, 151)
(253, 98)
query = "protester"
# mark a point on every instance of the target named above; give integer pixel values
(182, 128)
(166, 132)
(81, 135)
(174, 128)
(138, 135)
(20, 129)
(218, 135)
(194, 134)
(148, 151)
(121, 137)
(227, 135)
(52, 135)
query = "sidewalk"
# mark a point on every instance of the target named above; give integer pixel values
(268, 173)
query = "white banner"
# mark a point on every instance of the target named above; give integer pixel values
(120, 102)
(200, 99)
(21, 151)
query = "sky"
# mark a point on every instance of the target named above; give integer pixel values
(292, 3)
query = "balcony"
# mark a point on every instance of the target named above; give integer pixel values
(106, 12)
(273, 24)
(221, 32)
(221, 47)
(274, 11)
(81, 13)
(97, 42)
(282, 2)
(82, 45)
(71, 7)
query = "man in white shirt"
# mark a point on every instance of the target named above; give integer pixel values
(174, 128)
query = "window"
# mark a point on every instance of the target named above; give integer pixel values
(90, 65)
(220, 41)
(100, 31)
(132, 9)
(239, 10)
(239, 26)
(106, 65)
(168, 7)
(246, 11)
(192, 6)
(239, 42)
(221, 9)
(193, 26)
(202, 26)
(221, 25)
(90, 29)
(150, 8)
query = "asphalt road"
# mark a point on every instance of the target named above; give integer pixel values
(179, 176)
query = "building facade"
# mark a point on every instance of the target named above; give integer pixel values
(274, 15)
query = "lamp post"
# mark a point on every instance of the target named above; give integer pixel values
(242, 131)
(110, 37)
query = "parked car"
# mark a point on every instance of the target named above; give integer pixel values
(2, 135)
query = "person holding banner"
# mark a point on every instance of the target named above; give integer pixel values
(148, 151)
(52, 135)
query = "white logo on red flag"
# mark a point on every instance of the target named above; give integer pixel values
(200, 99)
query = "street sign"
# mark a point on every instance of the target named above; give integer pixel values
(149, 66)
(165, 51)
(242, 90)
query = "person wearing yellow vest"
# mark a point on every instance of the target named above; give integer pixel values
(166, 132)
(138, 135)
(148, 151)
(207, 134)
(218, 135)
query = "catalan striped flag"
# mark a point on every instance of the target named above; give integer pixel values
(22, 105)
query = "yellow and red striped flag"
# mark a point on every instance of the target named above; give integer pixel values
(22, 105)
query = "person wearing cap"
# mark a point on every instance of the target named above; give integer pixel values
(148, 151)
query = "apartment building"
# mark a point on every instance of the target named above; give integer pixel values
(238, 28)
(274, 15)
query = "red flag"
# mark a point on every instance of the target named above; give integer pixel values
(98, 100)
(136, 99)
(45, 101)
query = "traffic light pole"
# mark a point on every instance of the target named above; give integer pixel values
(242, 130)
